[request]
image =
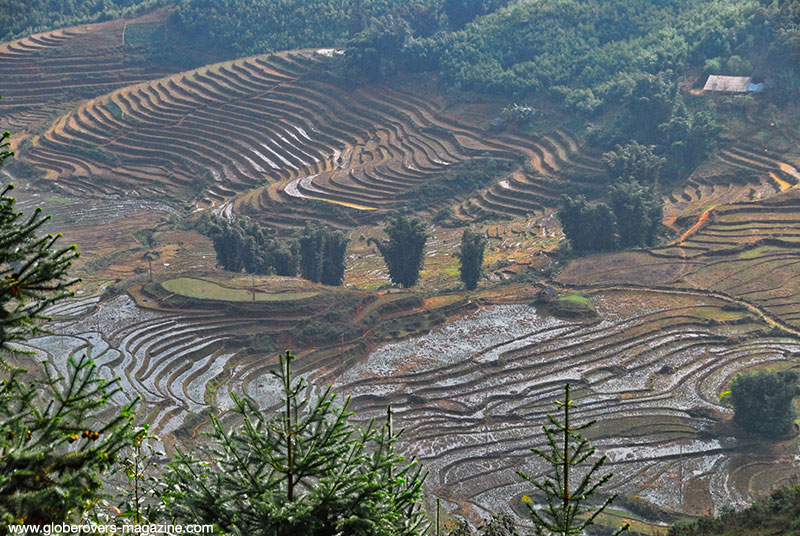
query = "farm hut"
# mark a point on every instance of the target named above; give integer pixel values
(731, 84)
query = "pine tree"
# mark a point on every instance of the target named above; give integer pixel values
(56, 439)
(244, 244)
(470, 256)
(305, 471)
(56, 433)
(570, 483)
(404, 251)
(33, 272)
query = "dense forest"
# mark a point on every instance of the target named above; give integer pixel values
(591, 53)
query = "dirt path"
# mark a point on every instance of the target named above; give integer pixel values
(694, 228)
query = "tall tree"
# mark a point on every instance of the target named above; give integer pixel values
(310, 246)
(245, 244)
(762, 401)
(57, 434)
(322, 254)
(651, 103)
(305, 471)
(688, 137)
(470, 256)
(404, 251)
(638, 211)
(566, 487)
(33, 271)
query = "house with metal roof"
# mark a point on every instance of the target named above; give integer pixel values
(732, 84)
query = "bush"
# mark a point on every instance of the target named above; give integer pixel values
(762, 402)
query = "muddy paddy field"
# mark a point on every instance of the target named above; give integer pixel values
(473, 392)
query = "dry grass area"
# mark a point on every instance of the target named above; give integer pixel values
(513, 247)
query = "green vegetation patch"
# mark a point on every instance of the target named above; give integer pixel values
(576, 300)
(35, 16)
(207, 290)
(54, 199)
(757, 252)
(142, 34)
(573, 305)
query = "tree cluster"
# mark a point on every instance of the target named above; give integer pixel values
(321, 251)
(244, 244)
(376, 51)
(763, 401)
(258, 26)
(633, 218)
(322, 254)
(588, 52)
(588, 226)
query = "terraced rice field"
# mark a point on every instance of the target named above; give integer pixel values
(748, 252)
(279, 138)
(48, 73)
(748, 167)
(273, 135)
(473, 393)
(181, 364)
(473, 396)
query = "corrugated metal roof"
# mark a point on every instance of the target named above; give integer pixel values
(733, 84)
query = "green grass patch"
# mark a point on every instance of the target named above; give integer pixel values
(207, 290)
(720, 314)
(573, 305)
(54, 199)
(756, 252)
(576, 299)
